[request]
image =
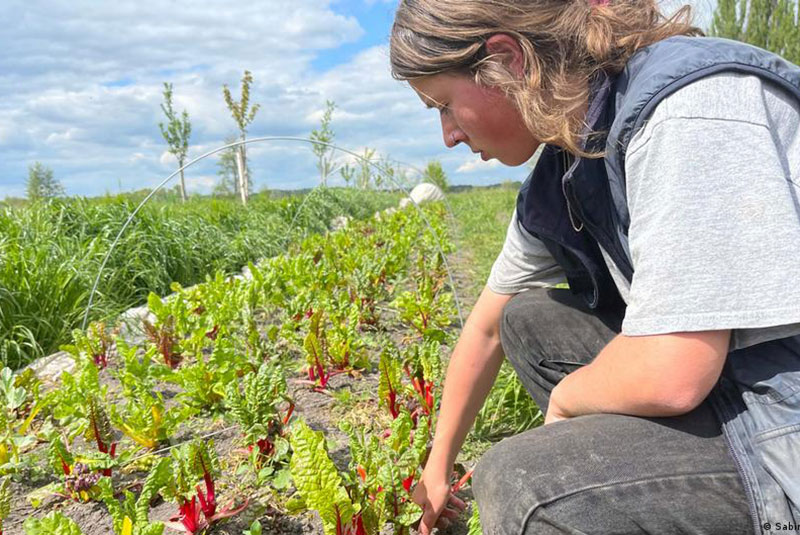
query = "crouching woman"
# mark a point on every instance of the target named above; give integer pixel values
(666, 195)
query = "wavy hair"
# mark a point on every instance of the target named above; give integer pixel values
(565, 45)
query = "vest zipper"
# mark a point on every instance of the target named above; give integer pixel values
(564, 181)
(717, 400)
(611, 246)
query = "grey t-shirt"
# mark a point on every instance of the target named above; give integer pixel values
(712, 186)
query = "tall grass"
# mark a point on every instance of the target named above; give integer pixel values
(483, 216)
(51, 252)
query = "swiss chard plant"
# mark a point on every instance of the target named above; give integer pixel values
(143, 417)
(263, 408)
(320, 486)
(94, 344)
(422, 364)
(80, 474)
(316, 349)
(131, 515)
(162, 333)
(99, 429)
(146, 420)
(428, 309)
(19, 404)
(70, 401)
(375, 490)
(386, 469)
(391, 392)
(193, 463)
(345, 343)
(54, 523)
(5, 501)
(205, 380)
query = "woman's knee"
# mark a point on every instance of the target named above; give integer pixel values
(509, 479)
(603, 469)
(549, 333)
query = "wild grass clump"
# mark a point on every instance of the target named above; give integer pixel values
(51, 252)
(483, 216)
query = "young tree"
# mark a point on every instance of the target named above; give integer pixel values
(434, 174)
(243, 114)
(41, 184)
(176, 133)
(325, 134)
(769, 24)
(228, 173)
(360, 172)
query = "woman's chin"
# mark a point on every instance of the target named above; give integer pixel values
(509, 161)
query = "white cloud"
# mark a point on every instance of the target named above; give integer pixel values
(200, 184)
(476, 164)
(82, 86)
(86, 77)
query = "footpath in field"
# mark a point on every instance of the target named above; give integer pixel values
(302, 398)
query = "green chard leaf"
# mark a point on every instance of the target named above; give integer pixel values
(317, 479)
(53, 524)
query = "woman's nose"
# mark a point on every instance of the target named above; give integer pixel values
(451, 133)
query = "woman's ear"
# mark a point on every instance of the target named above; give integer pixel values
(508, 51)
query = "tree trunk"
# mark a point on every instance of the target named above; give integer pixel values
(246, 174)
(242, 177)
(183, 182)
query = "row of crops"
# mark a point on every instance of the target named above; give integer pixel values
(51, 252)
(319, 376)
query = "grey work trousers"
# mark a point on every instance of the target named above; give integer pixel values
(600, 473)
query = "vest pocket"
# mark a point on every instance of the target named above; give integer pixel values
(777, 439)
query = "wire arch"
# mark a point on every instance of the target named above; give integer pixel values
(238, 143)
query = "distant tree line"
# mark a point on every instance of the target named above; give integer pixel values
(366, 171)
(770, 24)
(41, 184)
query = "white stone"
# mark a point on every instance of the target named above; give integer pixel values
(423, 193)
(340, 222)
(49, 368)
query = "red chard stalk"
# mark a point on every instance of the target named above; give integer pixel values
(208, 501)
(190, 516)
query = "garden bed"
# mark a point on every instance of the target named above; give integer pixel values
(351, 327)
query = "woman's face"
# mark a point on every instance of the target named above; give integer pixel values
(482, 118)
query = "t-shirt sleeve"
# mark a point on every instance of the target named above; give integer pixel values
(714, 202)
(523, 263)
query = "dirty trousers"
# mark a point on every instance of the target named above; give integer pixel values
(600, 473)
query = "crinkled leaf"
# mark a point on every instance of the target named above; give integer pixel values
(5, 498)
(317, 479)
(53, 524)
(282, 479)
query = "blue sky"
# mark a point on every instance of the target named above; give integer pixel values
(82, 81)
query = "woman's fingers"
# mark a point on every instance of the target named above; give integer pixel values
(449, 513)
(456, 502)
(442, 523)
(429, 520)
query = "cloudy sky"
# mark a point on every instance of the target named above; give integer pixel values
(81, 86)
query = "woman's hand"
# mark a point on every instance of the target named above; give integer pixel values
(554, 411)
(439, 505)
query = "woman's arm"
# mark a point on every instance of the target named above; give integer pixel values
(471, 373)
(657, 375)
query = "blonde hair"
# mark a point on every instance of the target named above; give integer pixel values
(565, 45)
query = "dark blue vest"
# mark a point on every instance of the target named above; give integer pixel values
(572, 205)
